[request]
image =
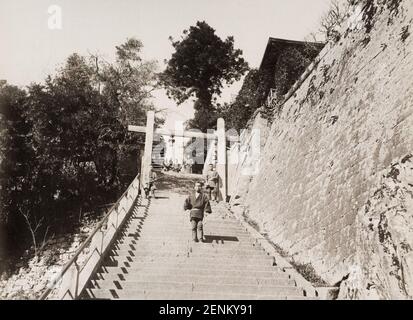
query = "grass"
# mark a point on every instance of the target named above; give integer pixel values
(277, 248)
(309, 273)
(306, 270)
(251, 222)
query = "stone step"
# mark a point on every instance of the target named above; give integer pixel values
(185, 230)
(185, 260)
(211, 253)
(160, 228)
(182, 247)
(187, 253)
(187, 264)
(185, 238)
(154, 243)
(192, 252)
(150, 219)
(176, 295)
(280, 280)
(164, 226)
(196, 248)
(213, 264)
(186, 222)
(176, 220)
(128, 272)
(146, 286)
(187, 227)
(185, 233)
(132, 267)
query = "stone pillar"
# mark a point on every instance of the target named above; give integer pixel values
(147, 155)
(179, 139)
(222, 159)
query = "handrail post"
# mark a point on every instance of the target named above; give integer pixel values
(101, 242)
(77, 278)
(117, 218)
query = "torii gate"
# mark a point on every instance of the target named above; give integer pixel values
(219, 136)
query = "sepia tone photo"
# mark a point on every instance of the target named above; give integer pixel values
(229, 150)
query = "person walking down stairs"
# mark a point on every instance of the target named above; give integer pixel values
(197, 204)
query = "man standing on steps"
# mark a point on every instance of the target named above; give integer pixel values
(150, 186)
(212, 183)
(198, 204)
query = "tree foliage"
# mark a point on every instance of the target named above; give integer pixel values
(63, 143)
(238, 113)
(199, 68)
(279, 77)
(129, 82)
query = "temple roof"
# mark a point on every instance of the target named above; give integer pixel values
(275, 46)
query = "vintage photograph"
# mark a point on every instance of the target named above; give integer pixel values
(220, 150)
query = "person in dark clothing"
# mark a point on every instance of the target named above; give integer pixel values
(150, 186)
(198, 204)
(212, 185)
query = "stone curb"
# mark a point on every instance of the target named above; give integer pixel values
(283, 264)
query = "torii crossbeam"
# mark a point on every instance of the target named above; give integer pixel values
(149, 131)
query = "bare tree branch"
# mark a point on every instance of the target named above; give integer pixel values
(33, 228)
(333, 19)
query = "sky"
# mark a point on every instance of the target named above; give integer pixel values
(30, 50)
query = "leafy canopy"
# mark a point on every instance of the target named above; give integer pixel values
(64, 144)
(238, 113)
(200, 67)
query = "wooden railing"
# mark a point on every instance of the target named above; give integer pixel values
(74, 276)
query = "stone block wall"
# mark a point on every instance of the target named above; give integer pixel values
(241, 158)
(335, 187)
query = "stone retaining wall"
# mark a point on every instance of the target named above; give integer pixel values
(335, 186)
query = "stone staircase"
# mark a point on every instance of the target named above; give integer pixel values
(154, 258)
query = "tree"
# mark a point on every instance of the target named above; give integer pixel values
(200, 66)
(127, 86)
(333, 19)
(65, 115)
(129, 82)
(279, 78)
(238, 113)
(62, 142)
(16, 160)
